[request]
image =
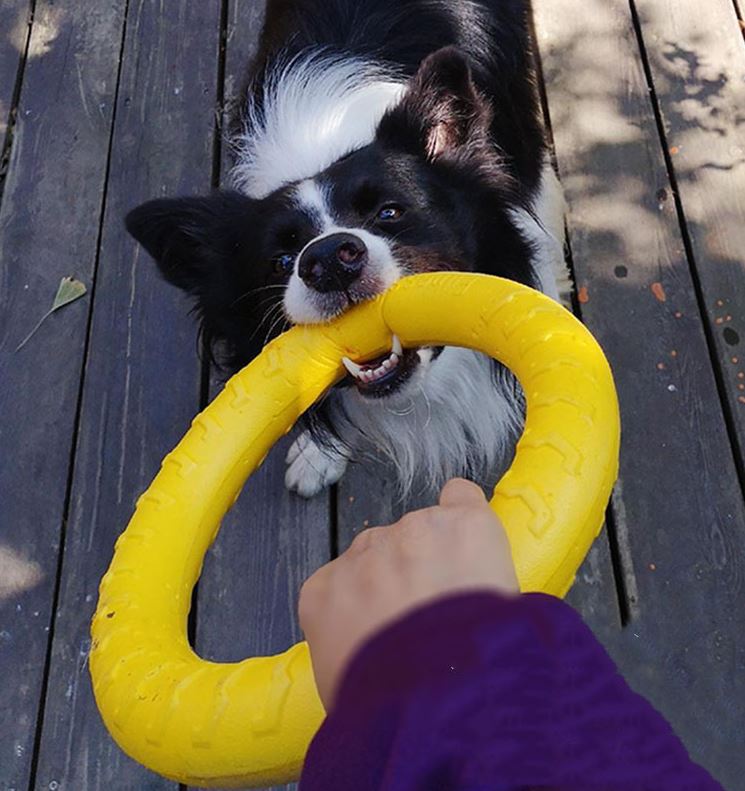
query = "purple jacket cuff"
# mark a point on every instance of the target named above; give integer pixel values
(478, 691)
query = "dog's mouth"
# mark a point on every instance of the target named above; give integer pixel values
(385, 374)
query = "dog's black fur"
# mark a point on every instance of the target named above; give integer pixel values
(462, 149)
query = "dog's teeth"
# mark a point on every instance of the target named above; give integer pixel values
(370, 375)
(352, 367)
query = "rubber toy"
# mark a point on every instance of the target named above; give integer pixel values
(249, 723)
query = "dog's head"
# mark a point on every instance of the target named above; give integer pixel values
(429, 193)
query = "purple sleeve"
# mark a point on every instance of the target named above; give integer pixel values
(480, 692)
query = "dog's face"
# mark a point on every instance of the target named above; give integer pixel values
(429, 193)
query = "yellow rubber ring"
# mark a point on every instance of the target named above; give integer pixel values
(250, 722)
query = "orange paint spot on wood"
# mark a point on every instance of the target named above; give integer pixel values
(673, 353)
(719, 320)
(658, 291)
(674, 150)
(583, 295)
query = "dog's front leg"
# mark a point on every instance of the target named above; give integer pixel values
(312, 467)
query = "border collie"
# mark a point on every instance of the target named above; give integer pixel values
(376, 139)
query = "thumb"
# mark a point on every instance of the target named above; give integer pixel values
(459, 491)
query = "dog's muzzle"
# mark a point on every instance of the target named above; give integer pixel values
(333, 263)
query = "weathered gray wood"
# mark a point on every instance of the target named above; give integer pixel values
(142, 375)
(367, 496)
(245, 19)
(594, 592)
(14, 24)
(698, 71)
(678, 507)
(271, 540)
(49, 223)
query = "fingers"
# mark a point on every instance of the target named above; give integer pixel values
(366, 539)
(460, 492)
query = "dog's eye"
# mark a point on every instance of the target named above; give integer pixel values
(283, 264)
(389, 212)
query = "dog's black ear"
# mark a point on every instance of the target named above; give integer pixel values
(442, 111)
(189, 237)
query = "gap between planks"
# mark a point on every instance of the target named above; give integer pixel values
(691, 255)
(7, 142)
(76, 423)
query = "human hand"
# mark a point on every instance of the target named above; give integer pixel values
(455, 546)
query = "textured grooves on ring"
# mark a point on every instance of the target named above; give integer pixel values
(126, 693)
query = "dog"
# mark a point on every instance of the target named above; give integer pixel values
(376, 139)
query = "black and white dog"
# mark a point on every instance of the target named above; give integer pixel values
(376, 139)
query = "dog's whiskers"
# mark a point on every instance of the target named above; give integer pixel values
(253, 291)
(280, 320)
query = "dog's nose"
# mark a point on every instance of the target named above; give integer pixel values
(333, 263)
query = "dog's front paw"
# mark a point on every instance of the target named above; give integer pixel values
(311, 468)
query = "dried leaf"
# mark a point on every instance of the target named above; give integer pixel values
(69, 290)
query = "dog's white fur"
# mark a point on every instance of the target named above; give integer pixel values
(315, 110)
(544, 229)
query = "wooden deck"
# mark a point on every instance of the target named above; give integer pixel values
(103, 105)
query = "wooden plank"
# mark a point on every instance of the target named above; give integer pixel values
(367, 497)
(49, 223)
(698, 71)
(594, 593)
(678, 509)
(142, 377)
(271, 540)
(14, 22)
(245, 19)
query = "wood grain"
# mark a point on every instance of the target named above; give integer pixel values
(14, 33)
(15, 16)
(677, 509)
(142, 376)
(698, 73)
(49, 224)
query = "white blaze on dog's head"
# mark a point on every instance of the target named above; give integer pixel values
(379, 270)
(313, 110)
